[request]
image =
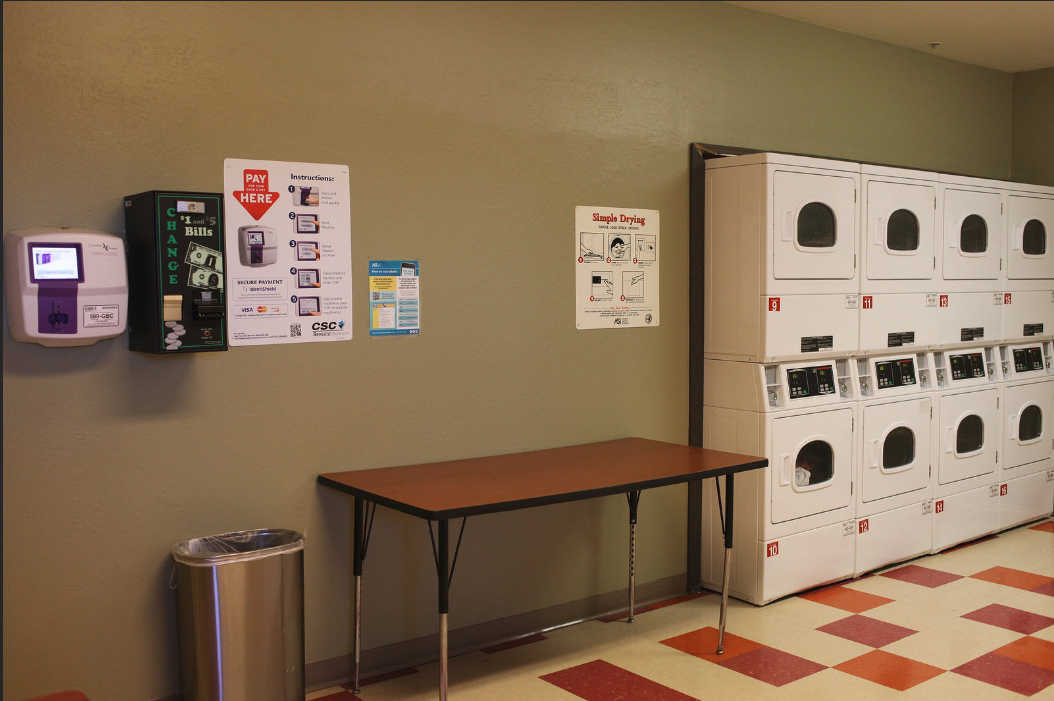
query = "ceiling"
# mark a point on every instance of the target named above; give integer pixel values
(1006, 36)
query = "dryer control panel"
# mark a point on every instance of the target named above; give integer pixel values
(811, 381)
(895, 373)
(968, 366)
(1028, 359)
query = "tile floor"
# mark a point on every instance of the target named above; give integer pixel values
(974, 622)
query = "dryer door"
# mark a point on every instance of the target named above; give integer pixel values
(973, 235)
(896, 448)
(1031, 224)
(968, 434)
(812, 466)
(1028, 411)
(901, 228)
(814, 227)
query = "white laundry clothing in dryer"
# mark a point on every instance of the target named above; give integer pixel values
(794, 520)
(781, 258)
(898, 265)
(1026, 478)
(968, 432)
(894, 505)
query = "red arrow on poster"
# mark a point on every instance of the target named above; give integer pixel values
(255, 197)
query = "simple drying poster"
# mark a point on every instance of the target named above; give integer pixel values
(617, 267)
(395, 297)
(288, 233)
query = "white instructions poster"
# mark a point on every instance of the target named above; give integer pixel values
(617, 273)
(288, 236)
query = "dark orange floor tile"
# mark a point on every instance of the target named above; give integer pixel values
(890, 670)
(1031, 650)
(846, 599)
(702, 643)
(1047, 526)
(1012, 578)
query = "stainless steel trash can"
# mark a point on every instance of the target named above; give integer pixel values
(240, 602)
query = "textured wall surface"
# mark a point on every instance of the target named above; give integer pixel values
(471, 131)
(1032, 159)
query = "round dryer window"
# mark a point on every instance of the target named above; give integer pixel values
(898, 449)
(1034, 241)
(1030, 425)
(973, 235)
(814, 464)
(969, 438)
(902, 231)
(816, 226)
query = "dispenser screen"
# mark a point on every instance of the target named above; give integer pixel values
(895, 373)
(1028, 359)
(55, 262)
(256, 238)
(810, 382)
(966, 367)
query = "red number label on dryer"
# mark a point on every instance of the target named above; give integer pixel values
(774, 304)
(863, 525)
(938, 507)
(772, 549)
(944, 300)
(867, 302)
(1002, 490)
(1006, 298)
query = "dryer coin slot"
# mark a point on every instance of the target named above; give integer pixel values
(811, 382)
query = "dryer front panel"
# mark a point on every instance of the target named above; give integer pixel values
(968, 435)
(814, 227)
(896, 448)
(973, 226)
(812, 463)
(1029, 423)
(900, 234)
(1031, 224)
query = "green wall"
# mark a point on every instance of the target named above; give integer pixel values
(1032, 158)
(472, 131)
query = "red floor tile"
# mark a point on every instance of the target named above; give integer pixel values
(867, 631)
(1031, 650)
(377, 678)
(1047, 589)
(960, 546)
(702, 643)
(1010, 618)
(339, 696)
(922, 576)
(603, 681)
(846, 599)
(772, 666)
(890, 670)
(1012, 578)
(1047, 526)
(520, 642)
(623, 615)
(1007, 673)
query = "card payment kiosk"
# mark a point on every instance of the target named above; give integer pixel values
(257, 245)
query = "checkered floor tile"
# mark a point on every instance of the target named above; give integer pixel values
(973, 622)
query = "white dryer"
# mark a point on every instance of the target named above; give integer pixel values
(968, 433)
(781, 251)
(1026, 482)
(894, 505)
(794, 520)
(970, 285)
(1028, 313)
(898, 265)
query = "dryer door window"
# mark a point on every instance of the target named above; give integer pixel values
(812, 463)
(896, 443)
(901, 225)
(1029, 424)
(973, 222)
(968, 431)
(1028, 255)
(814, 227)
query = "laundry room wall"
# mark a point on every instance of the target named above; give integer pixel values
(1032, 160)
(471, 132)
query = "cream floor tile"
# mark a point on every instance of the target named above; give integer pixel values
(824, 648)
(954, 687)
(889, 588)
(806, 613)
(1038, 561)
(970, 560)
(828, 685)
(1031, 602)
(962, 596)
(1046, 634)
(689, 675)
(912, 614)
(956, 643)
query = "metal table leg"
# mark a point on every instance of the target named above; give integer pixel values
(729, 500)
(444, 603)
(634, 499)
(356, 550)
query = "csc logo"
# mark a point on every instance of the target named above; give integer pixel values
(324, 326)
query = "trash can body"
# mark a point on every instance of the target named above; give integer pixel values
(241, 617)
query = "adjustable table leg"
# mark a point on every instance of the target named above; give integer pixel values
(356, 548)
(444, 604)
(634, 500)
(729, 498)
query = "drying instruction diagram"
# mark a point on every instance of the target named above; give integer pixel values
(617, 267)
(395, 297)
(290, 223)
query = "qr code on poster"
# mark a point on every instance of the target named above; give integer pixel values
(294, 330)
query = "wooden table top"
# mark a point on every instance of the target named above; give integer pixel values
(456, 488)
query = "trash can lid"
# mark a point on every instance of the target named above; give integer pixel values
(239, 546)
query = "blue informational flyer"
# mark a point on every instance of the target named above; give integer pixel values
(395, 301)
